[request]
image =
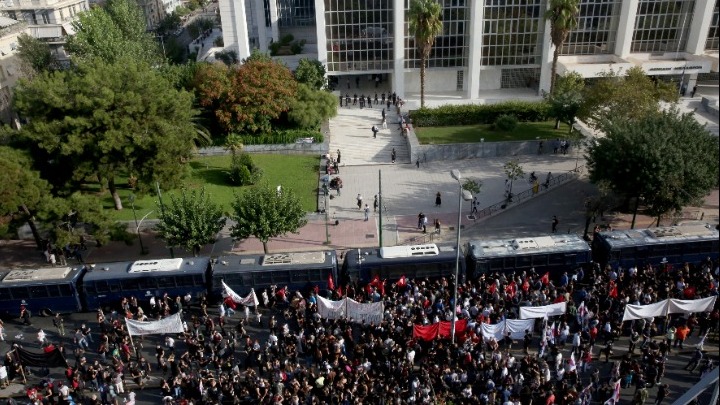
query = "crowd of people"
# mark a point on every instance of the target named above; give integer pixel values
(285, 353)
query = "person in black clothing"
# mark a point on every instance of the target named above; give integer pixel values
(663, 391)
(527, 339)
(555, 223)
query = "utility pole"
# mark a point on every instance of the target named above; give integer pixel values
(162, 212)
(380, 205)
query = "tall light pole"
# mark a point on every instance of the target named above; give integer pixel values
(467, 196)
(137, 225)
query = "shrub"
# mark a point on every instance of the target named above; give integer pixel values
(243, 171)
(506, 122)
(219, 42)
(453, 115)
(281, 137)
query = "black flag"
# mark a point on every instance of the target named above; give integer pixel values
(51, 357)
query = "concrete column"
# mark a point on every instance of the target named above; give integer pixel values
(275, 20)
(477, 14)
(626, 27)
(399, 48)
(259, 6)
(234, 27)
(699, 26)
(546, 58)
(320, 29)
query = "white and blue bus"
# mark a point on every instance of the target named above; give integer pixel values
(52, 288)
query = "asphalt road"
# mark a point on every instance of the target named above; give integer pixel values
(679, 380)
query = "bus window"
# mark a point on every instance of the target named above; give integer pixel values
(300, 276)
(509, 263)
(262, 279)
(185, 281)
(5, 294)
(148, 283)
(102, 286)
(556, 259)
(131, 285)
(431, 270)
(316, 275)
(496, 264)
(53, 290)
(627, 253)
(166, 282)
(66, 290)
(570, 260)
(523, 262)
(115, 286)
(540, 260)
(20, 293)
(281, 277)
(38, 291)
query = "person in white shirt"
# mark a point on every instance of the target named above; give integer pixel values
(170, 343)
(42, 337)
(411, 356)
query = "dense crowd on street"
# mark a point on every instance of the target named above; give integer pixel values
(300, 358)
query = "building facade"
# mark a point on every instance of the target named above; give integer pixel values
(485, 44)
(156, 10)
(10, 67)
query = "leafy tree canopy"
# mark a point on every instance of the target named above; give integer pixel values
(35, 55)
(20, 185)
(265, 212)
(112, 33)
(311, 72)
(425, 23)
(566, 101)
(622, 97)
(190, 221)
(79, 215)
(666, 158)
(100, 119)
(563, 16)
(312, 107)
(246, 99)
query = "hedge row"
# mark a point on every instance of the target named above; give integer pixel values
(282, 137)
(473, 114)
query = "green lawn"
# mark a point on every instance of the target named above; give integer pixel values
(473, 133)
(296, 172)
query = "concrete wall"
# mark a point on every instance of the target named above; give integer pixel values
(490, 79)
(435, 80)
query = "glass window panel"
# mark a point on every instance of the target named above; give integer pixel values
(53, 290)
(102, 286)
(662, 26)
(5, 294)
(66, 290)
(38, 291)
(20, 293)
(166, 282)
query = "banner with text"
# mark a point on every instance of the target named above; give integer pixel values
(171, 324)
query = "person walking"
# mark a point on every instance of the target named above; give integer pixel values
(375, 203)
(375, 130)
(367, 212)
(393, 155)
(359, 201)
(694, 361)
(338, 156)
(438, 199)
(59, 323)
(663, 391)
(437, 226)
(555, 223)
(475, 204)
(384, 123)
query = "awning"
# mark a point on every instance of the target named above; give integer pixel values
(69, 29)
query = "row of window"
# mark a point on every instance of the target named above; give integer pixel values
(412, 270)
(143, 284)
(663, 250)
(528, 261)
(36, 291)
(267, 278)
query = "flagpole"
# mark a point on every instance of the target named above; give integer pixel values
(132, 344)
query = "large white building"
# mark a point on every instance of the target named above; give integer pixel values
(485, 44)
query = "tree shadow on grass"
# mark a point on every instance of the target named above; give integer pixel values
(210, 174)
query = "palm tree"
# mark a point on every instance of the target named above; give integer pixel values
(425, 24)
(563, 18)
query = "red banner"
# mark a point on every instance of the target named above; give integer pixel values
(426, 333)
(446, 326)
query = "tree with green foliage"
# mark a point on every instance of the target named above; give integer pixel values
(473, 186)
(80, 216)
(35, 55)
(665, 159)
(631, 96)
(567, 99)
(312, 107)
(513, 171)
(311, 72)
(425, 20)
(265, 212)
(563, 17)
(190, 221)
(169, 23)
(22, 191)
(248, 98)
(102, 120)
(112, 33)
(198, 26)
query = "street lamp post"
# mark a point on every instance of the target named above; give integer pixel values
(137, 224)
(467, 196)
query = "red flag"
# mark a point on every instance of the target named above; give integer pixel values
(381, 287)
(402, 282)
(690, 292)
(492, 288)
(526, 285)
(426, 332)
(331, 284)
(230, 303)
(375, 281)
(339, 291)
(613, 290)
(511, 289)
(545, 278)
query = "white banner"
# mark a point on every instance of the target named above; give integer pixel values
(347, 307)
(517, 327)
(633, 312)
(171, 324)
(331, 309)
(689, 306)
(369, 313)
(543, 311)
(496, 331)
(251, 300)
